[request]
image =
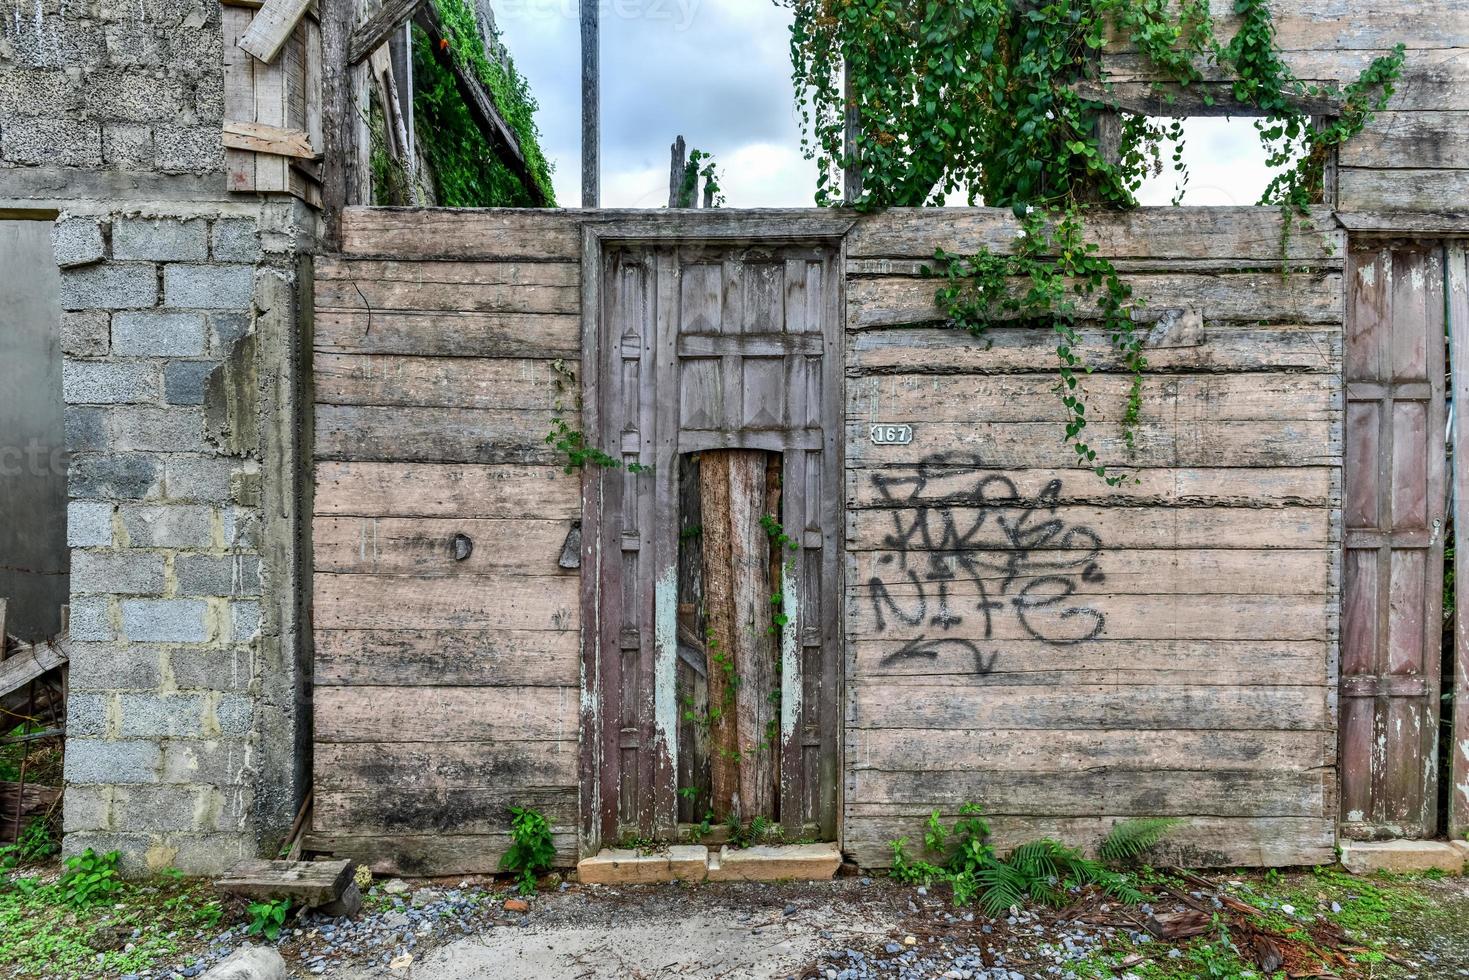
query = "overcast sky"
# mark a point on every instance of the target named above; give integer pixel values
(718, 72)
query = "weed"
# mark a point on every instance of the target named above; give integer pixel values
(267, 918)
(90, 877)
(531, 848)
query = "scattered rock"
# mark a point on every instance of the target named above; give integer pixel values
(400, 963)
(250, 963)
(517, 905)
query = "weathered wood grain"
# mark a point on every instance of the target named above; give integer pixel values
(1116, 528)
(392, 809)
(1070, 752)
(450, 490)
(452, 334)
(445, 714)
(1254, 297)
(495, 234)
(1228, 347)
(424, 547)
(1366, 189)
(446, 382)
(422, 855)
(1072, 618)
(1406, 140)
(459, 272)
(1196, 571)
(1150, 233)
(1201, 842)
(434, 435)
(960, 478)
(383, 295)
(501, 601)
(1284, 708)
(448, 658)
(1177, 442)
(1178, 398)
(439, 766)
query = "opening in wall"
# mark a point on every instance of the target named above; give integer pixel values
(34, 562)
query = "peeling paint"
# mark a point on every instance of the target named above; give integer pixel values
(790, 661)
(665, 664)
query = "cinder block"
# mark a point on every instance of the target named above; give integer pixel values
(88, 524)
(109, 382)
(235, 240)
(115, 667)
(613, 866)
(201, 478)
(120, 476)
(120, 572)
(90, 620)
(86, 429)
(183, 381)
(209, 287)
(86, 714)
(109, 287)
(792, 862)
(126, 144)
(157, 807)
(215, 762)
(161, 239)
(218, 575)
(241, 528)
(86, 807)
(133, 848)
(1365, 857)
(188, 149)
(244, 621)
(158, 334)
(232, 713)
(165, 620)
(64, 142)
(162, 715)
(86, 333)
(225, 330)
(169, 526)
(94, 761)
(77, 241)
(220, 669)
(176, 429)
(208, 854)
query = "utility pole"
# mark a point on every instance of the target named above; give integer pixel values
(591, 107)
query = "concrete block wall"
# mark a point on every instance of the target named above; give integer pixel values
(178, 333)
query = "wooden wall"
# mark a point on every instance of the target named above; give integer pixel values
(445, 690)
(1025, 637)
(1413, 157)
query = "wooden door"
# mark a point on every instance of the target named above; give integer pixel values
(707, 347)
(1394, 515)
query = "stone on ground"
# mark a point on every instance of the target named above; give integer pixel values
(250, 963)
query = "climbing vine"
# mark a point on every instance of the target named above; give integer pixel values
(997, 100)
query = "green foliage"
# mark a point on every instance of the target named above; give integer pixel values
(90, 877)
(1042, 871)
(1132, 838)
(573, 443)
(700, 165)
(35, 844)
(466, 172)
(267, 918)
(531, 848)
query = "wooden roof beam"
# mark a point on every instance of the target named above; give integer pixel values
(376, 30)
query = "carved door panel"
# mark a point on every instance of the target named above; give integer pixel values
(706, 347)
(1393, 510)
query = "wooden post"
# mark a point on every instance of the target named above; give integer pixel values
(714, 509)
(345, 167)
(401, 48)
(1456, 287)
(852, 174)
(676, 168)
(591, 125)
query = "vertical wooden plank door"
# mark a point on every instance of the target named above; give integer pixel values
(713, 347)
(1394, 522)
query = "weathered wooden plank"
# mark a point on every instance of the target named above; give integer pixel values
(1149, 233)
(1227, 347)
(1285, 708)
(1156, 443)
(433, 435)
(1112, 528)
(384, 295)
(27, 664)
(500, 601)
(424, 855)
(1188, 399)
(425, 547)
(275, 140)
(309, 883)
(447, 490)
(445, 714)
(447, 334)
(1162, 662)
(1050, 612)
(409, 766)
(489, 233)
(463, 272)
(449, 658)
(1254, 297)
(392, 809)
(1404, 140)
(1067, 752)
(1201, 842)
(272, 27)
(1293, 792)
(1135, 572)
(957, 480)
(1370, 189)
(373, 33)
(448, 382)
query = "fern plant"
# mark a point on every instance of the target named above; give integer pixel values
(1041, 871)
(1130, 839)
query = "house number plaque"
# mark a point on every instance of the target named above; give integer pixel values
(884, 434)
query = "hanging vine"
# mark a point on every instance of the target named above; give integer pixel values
(985, 98)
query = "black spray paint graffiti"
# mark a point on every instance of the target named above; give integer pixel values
(1022, 559)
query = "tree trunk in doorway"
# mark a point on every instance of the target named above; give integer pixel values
(738, 585)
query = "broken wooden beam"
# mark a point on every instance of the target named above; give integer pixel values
(263, 138)
(375, 31)
(481, 104)
(1195, 99)
(309, 883)
(272, 27)
(29, 663)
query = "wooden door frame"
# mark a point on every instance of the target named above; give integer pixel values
(723, 228)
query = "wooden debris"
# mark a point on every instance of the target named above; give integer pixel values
(310, 883)
(20, 803)
(29, 663)
(272, 27)
(1179, 925)
(264, 138)
(376, 30)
